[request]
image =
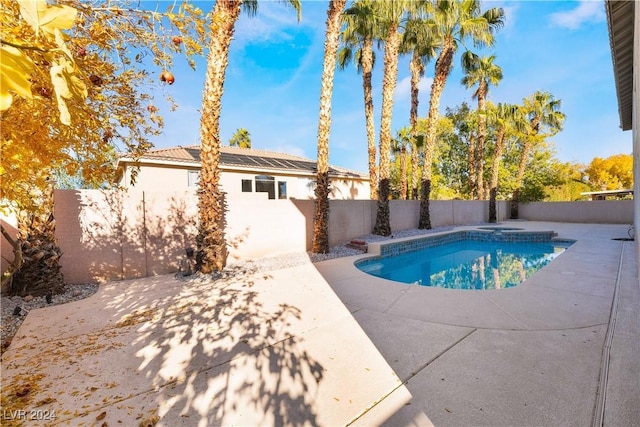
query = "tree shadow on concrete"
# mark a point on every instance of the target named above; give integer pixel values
(204, 351)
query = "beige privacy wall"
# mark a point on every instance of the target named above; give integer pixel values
(111, 235)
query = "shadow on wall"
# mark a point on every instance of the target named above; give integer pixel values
(344, 190)
(119, 235)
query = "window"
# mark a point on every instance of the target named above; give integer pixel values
(282, 190)
(266, 184)
(247, 186)
(193, 178)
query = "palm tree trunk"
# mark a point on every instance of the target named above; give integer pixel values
(38, 271)
(493, 191)
(471, 165)
(212, 246)
(392, 45)
(367, 67)
(403, 172)
(482, 130)
(417, 68)
(414, 171)
(443, 68)
(320, 241)
(515, 198)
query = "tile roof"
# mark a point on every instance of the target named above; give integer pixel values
(247, 158)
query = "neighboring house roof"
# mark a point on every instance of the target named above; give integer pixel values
(606, 193)
(620, 17)
(244, 158)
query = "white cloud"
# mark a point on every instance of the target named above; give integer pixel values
(273, 22)
(403, 88)
(586, 11)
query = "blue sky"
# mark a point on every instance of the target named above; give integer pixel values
(272, 84)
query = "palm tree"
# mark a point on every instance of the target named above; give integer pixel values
(390, 13)
(451, 23)
(399, 147)
(212, 246)
(241, 138)
(506, 119)
(545, 119)
(416, 40)
(483, 72)
(320, 241)
(359, 32)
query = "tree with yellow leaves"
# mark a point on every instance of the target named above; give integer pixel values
(75, 90)
(612, 173)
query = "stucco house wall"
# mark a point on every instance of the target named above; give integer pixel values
(177, 169)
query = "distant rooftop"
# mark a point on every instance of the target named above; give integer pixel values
(602, 195)
(246, 158)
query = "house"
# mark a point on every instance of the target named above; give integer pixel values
(604, 194)
(623, 19)
(244, 171)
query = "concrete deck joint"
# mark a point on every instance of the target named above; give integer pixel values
(601, 394)
(413, 374)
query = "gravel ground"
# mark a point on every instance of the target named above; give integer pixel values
(11, 322)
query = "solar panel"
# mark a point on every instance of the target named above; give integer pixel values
(194, 152)
(253, 161)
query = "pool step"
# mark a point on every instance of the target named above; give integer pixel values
(358, 244)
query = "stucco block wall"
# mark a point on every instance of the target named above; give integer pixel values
(110, 235)
(349, 219)
(595, 211)
(261, 227)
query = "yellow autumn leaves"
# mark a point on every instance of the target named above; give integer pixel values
(47, 22)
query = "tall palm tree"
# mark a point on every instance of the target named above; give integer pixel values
(483, 72)
(391, 13)
(418, 42)
(360, 30)
(320, 241)
(452, 22)
(212, 246)
(507, 119)
(545, 119)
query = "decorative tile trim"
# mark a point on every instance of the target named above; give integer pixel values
(410, 245)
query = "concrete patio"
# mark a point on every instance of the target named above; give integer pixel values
(325, 344)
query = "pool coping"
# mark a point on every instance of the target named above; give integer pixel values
(556, 319)
(493, 308)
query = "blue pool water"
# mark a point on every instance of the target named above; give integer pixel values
(466, 264)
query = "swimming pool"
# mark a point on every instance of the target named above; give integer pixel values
(466, 260)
